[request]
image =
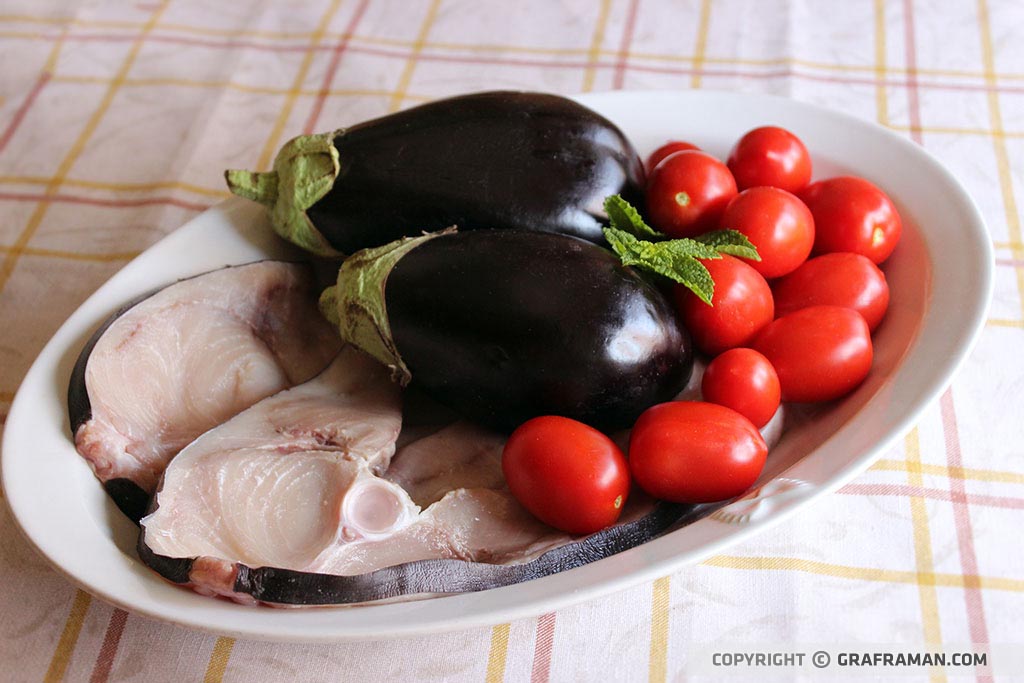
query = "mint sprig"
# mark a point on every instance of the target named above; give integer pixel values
(731, 242)
(623, 216)
(675, 259)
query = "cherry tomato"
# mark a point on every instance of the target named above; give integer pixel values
(851, 214)
(742, 305)
(820, 353)
(687, 193)
(569, 475)
(840, 279)
(777, 223)
(694, 452)
(666, 149)
(744, 380)
(770, 156)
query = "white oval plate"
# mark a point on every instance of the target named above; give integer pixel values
(944, 256)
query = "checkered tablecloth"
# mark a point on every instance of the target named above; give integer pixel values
(118, 118)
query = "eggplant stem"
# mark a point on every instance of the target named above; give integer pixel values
(304, 171)
(356, 303)
(258, 186)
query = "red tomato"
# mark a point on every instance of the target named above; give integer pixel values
(666, 149)
(820, 353)
(742, 305)
(687, 193)
(851, 214)
(569, 475)
(770, 156)
(744, 380)
(840, 279)
(777, 223)
(694, 452)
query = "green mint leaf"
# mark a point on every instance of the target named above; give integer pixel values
(674, 259)
(731, 242)
(692, 248)
(623, 216)
(695, 276)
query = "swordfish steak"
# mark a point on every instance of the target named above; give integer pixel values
(284, 505)
(180, 361)
(289, 482)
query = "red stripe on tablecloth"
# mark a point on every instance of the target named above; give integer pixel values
(913, 99)
(627, 40)
(1013, 262)
(959, 497)
(19, 115)
(505, 61)
(332, 68)
(105, 660)
(962, 518)
(95, 201)
(545, 638)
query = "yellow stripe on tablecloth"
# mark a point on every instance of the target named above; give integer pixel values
(51, 60)
(923, 560)
(72, 21)
(269, 90)
(36, 219)
(865, 573)
(945, 130)
(594, 53)
(117, 187)
(923, 552)
(23, 35)
(702, 43)
(944, 471)
(72, 256)
(657, 662)
(241, 87)
(810, 64)
(999, 143)
(482, 47)
(497, 655)
(405, 79)
(270, 148)
(219, 660)
(68, 638)
(1002, 322)
(881, 95)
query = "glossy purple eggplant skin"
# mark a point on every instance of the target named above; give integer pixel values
(503, 326)
(488, 160)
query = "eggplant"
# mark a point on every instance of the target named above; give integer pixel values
(495, 160)
(505, 325)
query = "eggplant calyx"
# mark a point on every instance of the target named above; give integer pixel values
(356, 304)
(304, 171)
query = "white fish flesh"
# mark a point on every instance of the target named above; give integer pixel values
(286, 481)
(183, 360)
